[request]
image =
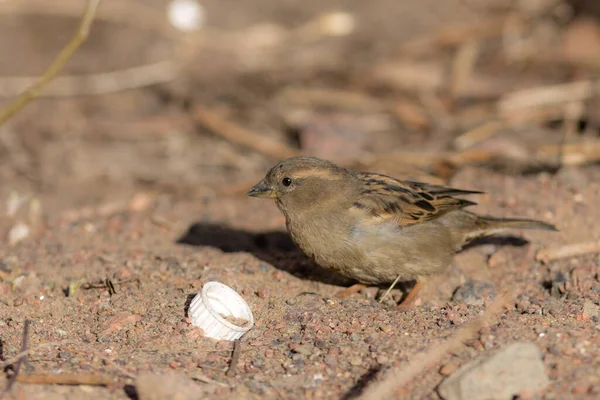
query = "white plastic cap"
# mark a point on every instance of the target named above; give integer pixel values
(221, 312)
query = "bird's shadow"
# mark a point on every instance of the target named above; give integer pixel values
(277, 249)
(273, 247)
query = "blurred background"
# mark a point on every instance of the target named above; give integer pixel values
(197, 99)
(153, 131)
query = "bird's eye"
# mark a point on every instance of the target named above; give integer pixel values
(286, 181)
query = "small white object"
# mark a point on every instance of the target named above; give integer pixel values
(221, 312)
(186, 15)
(18, 233)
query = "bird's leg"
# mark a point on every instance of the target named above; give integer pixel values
(409, 301)
(350, 290)
(387, 292)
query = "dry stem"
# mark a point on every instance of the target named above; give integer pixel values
(66, 53)
(399, 377)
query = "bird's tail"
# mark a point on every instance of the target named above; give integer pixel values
(494, 224)
(486, 226)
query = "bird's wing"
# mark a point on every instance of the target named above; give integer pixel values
(407, 203)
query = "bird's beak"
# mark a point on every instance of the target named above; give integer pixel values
(261, 189)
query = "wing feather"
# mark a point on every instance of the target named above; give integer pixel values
(405, 202)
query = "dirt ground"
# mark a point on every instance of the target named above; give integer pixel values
(135, 189)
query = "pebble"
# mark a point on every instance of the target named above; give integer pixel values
(355, 337)
(475, 293)
(331, 361)
(304, 349)
(356, 361)
(448, 369)
(118, 321)
(263, 293)
(514, 369)
(590, 310)
(172, 385)
(383, 359)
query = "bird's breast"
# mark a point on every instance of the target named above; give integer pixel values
(326, 240)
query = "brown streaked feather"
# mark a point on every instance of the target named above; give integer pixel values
(387, 199)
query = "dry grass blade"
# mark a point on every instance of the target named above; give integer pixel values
(235, 357)
(20, 361)
(96, 84)
(547, 95)
(238, 135)
(66, 53)
(65, 379)
(566, 251)
(397, 378)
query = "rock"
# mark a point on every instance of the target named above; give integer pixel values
(590, 310)
(515, 369)
(474, 293)
(119, 321)
(171, 386)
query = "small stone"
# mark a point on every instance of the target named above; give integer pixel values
(559, 285)
(172, 385)
(64, 355)
(331, 361)
(118, 321)
(448, 369)
(383, 359)
(356, 361)
(195, 333)
(355, 337)
(514, 369)
(263, 293)
(580, 389)
(590, 310)
(304, 349)
(475, 293)
(258, 362)
(298, 357)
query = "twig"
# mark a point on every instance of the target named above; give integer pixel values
(80, 36)
(24, 353)
(387, 292)
(478, 134)
(139, 202)
(236, 134)
(462, 67)
(21, 360)
(547, 95)
(455, 35)
(131, 13)
(235, 357)
(95, 84)
(205, 379)
(65, 379)
(570, 250)
(399, 377)
(328, 97)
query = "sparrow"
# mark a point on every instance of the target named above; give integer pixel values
(373, 228)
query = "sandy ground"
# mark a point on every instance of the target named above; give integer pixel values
(126, 188)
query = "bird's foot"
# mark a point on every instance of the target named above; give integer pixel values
(350, 290)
